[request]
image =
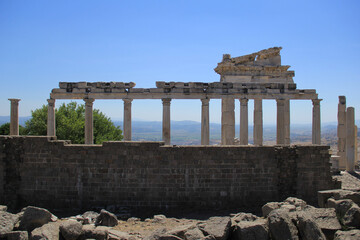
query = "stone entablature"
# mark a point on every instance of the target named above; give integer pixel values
(260, 67)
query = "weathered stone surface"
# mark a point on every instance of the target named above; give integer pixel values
(194, 234)
(118, 235)
(251, 230)
(296, 202)
(106, 219)
(308, 228)
(91, 232)
(168, 237)
(180, 231)
(3, 208)
(352, 217)
(7, 222)
(341, 206)
(159, 218)
(268, 207)
(48, 231)
(281, 226)
(347, 235)
(17, 235)
(219, 227)
(337, 194)
(90, 217)
(70, 229)
(249, 217)
(34, 217)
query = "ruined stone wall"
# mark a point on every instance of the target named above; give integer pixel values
(53, 174)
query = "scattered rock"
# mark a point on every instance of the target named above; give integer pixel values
(180, 231)
(251, 230)
(281, 226)
(308, 228)
(249, 217)
(352, 217)
(268, 207)
(157, 234)
(7, 222)
(194, 234)
(17, 235)
(34, 217)
(341, 206)
(134, 219)
(3, 208)
(218, 227)
(347, 235)
(118, 235)
(106, 219)
(159, 218)
(91, 232)
(70, 229)
(296, 202)
(89, 217)
(48, 231)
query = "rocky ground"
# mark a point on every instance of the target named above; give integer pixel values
(338, 217)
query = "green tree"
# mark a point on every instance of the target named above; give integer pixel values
(70, 124)
(5, 129)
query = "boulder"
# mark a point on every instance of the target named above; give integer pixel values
(91, 232)
(194, 234)
(308, 228)
(17, 235)
(281, 226)
(251, 230)
(352, 217)
(249, 217)
(34, 217)
(180, 231)
(296, 202)
(7, 222)
(168, 237)
(70, 229)
(106, 218)
(341, 206)
(268, 207)
(218, 227)
(347, 235)
(48, 231)
(3, 208)
(118, 235)
(159, 218)
(89, 217)
(337, 194)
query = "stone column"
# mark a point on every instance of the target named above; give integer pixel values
(356, 146)
(166, 121)
(14, 116)
(350, 139)
(227, 121)
(127, 119)
(205, 124)
(51, 131)
(258, 122)
(287, 121)
(89, 131)
(316, 124)
(341, 132)
(280, 121)
(244, 122)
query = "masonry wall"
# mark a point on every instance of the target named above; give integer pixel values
(54, 174)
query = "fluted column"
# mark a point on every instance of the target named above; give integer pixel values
(127, 119)
(258, 122)
(287, 121)
(227, 121)
(14, 116)
(316, 124)
(350, 139)
(89, 131)
(51, 131)
(205, 125)
(166, 121)
(341, 132)
(244, 122)
(280, 121)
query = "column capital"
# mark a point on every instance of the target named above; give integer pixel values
(244, 101)
(89, 101)
(205, 101)
(166, 101)
(14, 100)
(316, 101)
(280, 101)
(127, 100)
(51, 102)
(342, 99)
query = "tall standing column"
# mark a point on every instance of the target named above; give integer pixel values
(166, 121)
(356, 144)
(258, 122)
(341, 132)
(127, 119)
(14, 116)
(89, 131)
(205, 125)
(280, 121)
(316, 124)
(287, 121)
(51, 131)
(350, 139)
(244, 122)
(227, 121)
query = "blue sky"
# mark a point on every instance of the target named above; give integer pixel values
(44, 42)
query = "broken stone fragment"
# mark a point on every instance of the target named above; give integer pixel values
(34, 217)
(106, 219)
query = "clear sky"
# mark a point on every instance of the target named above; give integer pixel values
(43, 42)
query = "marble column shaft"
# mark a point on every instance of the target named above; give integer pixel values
(316, 124)
(280, 121)
(166, 137)
(258, 122)
(287, 121)
(350, 139)
(89, 131)
(244, 122)
(205, 124)
(51, 130)
(127, 119)
(14, 116)
(341, 132)
(227, 121)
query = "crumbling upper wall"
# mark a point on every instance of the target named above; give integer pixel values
(259, 67)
